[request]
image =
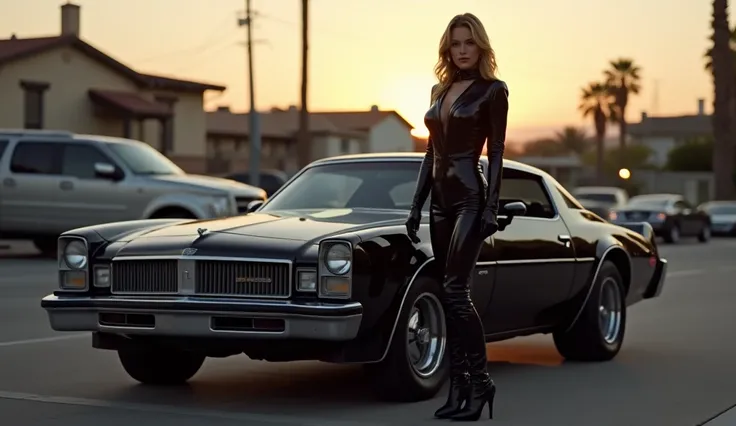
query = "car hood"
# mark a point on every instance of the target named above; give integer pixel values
(257, 234)
(210, 182)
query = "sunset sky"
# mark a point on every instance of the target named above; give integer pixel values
(382, 51)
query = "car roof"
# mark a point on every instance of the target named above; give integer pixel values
(66, 136)
(656, 196)
(599, 189)
(415, 156)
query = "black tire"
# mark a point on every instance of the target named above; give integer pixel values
(586, 341)
(157, 366)
(705, 233)
(672, 235)
(394, 378)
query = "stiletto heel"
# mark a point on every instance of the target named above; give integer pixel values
(459, 393)
(476, 403)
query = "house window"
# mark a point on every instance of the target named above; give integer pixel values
(167, 125)
(33, 103)
(345, 145)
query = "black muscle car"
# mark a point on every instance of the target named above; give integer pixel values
(324, 270)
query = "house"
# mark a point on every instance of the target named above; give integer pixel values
(63, 82)
(332, 133)
(387, 131)
(228, 149)
(662, 134)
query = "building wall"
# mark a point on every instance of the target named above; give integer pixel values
(660, 146)
(71, 74)
(390, 135)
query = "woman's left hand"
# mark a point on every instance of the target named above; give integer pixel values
(488, 224)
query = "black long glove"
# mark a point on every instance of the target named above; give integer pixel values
(424, 186)
(497, 119)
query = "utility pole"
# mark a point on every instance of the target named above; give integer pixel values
(304, 144)
(254, 131)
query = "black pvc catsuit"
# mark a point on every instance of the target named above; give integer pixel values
(464, 205)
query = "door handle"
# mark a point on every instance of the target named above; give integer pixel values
(563, 238)
(66, 185)
(9, 182)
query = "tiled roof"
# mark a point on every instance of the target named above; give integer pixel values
(129, 102)
(14, 49)
(275, 124)
(360, 120)
(681, 126)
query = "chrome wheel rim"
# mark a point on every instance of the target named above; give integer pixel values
(609, 311)
(426, 335)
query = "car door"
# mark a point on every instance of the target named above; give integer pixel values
(535, 260)
(32, 200)
(689, 219)
(91, 199)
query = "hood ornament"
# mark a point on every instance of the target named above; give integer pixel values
(201, 231)
(188, 251)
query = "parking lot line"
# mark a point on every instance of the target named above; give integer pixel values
(43, 340)
(247, 418)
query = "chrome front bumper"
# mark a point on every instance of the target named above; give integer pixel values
(200, 317)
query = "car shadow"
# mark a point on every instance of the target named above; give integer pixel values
(318, 387)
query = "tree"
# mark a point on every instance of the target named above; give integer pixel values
(544, 147)
(695, 155)
(634, 157)
(573, 140)
(304, 143)
(722, 70)
(596, 102)
(623, 79)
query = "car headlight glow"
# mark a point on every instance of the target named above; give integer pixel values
(75, 255)
(338, 259)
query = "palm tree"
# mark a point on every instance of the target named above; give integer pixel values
(596, 102)
(623, 79)
(722, 70)
(709, 52)
(573, 140)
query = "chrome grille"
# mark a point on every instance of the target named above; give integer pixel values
(155, 276)
(236, 278)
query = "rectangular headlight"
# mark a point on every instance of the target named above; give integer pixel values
(335, 269)
(306, 280)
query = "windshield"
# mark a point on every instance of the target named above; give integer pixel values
(721, 209)
(378, 185)
(142, 159)
(603, 198)
(649, 202)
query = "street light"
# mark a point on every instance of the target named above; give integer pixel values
(624, 174)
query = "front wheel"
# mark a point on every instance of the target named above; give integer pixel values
(599, 331)
(704, 235)
(157, 366)
(415, 367)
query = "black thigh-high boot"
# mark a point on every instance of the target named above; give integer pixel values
(459, 377)
(462, 255)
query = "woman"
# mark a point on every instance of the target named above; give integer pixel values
(469, 105)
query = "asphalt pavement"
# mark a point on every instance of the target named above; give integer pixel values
(676, 368)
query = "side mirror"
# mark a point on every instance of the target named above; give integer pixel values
(516, 208)
(108, 171)
(254, 205)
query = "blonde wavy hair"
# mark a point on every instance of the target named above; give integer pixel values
(445, 69)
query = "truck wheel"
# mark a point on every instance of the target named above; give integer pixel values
(160, 366)
(598, 333)
(415, 367)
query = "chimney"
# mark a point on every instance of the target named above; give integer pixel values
(643, 115)
(374, 108)
(292, 108)
(14, 37)
(70, 19)
(701, 106)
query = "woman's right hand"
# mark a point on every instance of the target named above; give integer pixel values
(412, 224)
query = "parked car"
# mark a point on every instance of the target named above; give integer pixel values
(670, 215)
(722, 216)
(324, 270)
(53, 181)
(269, 180)
(605, 196)
(602, 209)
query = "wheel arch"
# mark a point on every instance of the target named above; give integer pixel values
(614, 252)
(425, 269)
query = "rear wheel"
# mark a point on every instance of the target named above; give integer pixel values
(157, 366)
(704, 235)
(415, 367)
(672, 235)
(598, 333)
